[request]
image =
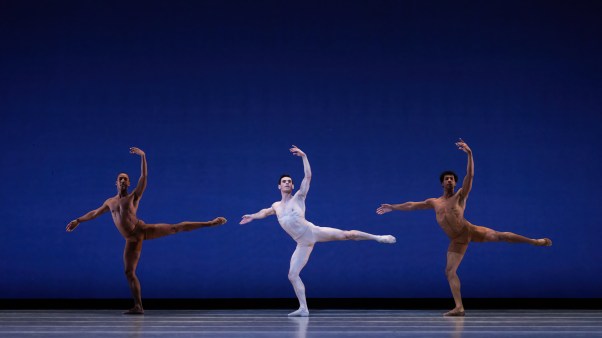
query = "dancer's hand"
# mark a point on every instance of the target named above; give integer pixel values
(246, 219)
(72, 225)
(384, 208)
(137, 151)
(296, 151)
(463, 146)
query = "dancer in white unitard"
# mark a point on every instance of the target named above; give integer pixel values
(291, 216)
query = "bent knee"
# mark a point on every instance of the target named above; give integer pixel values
(293, 276)
(130, 274)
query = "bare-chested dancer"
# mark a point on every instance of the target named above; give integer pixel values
(291, 216)
(123, 209)
(449, 210)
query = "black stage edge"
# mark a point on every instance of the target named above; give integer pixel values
(315, 303)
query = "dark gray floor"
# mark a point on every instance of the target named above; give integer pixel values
(322, 323)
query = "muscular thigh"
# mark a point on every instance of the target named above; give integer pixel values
(458, 247)
(137, 233)
(131, 254)
(481, 234)
(308, 238)
(459, 243)
(152, 231)
(326, 234)
(300, 258)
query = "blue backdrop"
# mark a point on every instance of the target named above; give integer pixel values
(375, 92)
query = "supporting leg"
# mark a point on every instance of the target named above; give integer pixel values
(298, 261)
(131, 256)
(453, 261)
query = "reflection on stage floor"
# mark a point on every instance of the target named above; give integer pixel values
(321, 323)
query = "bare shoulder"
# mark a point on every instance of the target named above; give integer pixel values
(300, 194)
(461, 193)
(135, 195)
(434, 202)
(431, 201)
(111, 201)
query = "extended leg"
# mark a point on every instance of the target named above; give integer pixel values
(326, 234)
(453, 261)
(490, 235)
(152, 231)
(298, 261)
(131, 256)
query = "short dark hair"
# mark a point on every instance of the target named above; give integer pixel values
(283, 176)
(448, 172)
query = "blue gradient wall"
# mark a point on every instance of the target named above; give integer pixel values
(374, 92)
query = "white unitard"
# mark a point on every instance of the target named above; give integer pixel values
(291, 216)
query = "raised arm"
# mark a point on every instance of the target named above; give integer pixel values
(467, 184)
(88, 216)
(143, 172)
(407, 206)
(263, 213)
(306, 170)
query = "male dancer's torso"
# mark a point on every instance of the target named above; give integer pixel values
(291, 216)
(450, 214)
(123, 210)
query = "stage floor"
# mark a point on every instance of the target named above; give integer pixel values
(322, 323)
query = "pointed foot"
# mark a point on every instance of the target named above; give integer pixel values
(388, 239)
(543, 242)
(219, 221)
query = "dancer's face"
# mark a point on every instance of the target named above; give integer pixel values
(286, 184)
(448, 182)
(123, 181)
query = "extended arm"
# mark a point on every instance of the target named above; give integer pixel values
(143, 172)
(407, 206)
(306, 170)
(88, 216)
(263, 213)
(467, 183)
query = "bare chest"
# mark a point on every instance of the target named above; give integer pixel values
(290, 210)
(448, 207)
(120, 206)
